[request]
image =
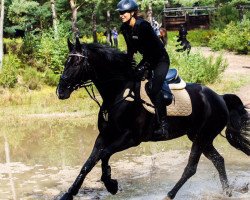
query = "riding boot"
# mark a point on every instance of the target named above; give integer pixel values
(161, 131)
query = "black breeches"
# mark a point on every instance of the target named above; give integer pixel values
(159, 73)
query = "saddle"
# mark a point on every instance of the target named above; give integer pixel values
(181, 104)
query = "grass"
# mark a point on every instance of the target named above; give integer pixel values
(20, 101)
(230, 84)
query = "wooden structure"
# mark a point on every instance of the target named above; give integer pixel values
(193, 17)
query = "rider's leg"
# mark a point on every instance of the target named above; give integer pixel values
(159, 74)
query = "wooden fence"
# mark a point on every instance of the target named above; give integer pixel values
(193, 17)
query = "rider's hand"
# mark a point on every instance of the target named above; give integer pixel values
(139, 72)
(133, 63)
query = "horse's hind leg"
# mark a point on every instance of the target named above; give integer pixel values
(218, 161)
(190, 169)
(87, 167)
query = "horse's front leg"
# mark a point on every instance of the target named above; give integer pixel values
(94, 157)
(121, 144)
(110, 184)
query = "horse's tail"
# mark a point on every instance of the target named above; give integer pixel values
(238, 127)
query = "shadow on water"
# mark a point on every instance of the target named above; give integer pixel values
(40, 156)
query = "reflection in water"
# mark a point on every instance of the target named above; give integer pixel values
(47, 154)
(7, 155)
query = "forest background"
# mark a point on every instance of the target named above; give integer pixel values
(33, 38)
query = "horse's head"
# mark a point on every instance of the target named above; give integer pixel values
(75, 70)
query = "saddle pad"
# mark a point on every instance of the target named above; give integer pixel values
(180, 106)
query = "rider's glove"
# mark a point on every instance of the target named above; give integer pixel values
(140, 72)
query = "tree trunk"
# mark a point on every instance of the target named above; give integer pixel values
(1, 34)
(108, 30)
(74, 17)
(94, 27)
(54, 17)
(150, 13)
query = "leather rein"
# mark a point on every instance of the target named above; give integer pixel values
(88, 85)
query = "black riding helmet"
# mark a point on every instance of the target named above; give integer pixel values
(127, 5)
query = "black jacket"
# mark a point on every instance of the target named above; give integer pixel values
(143, 39)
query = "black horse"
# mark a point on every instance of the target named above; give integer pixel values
(123, 124)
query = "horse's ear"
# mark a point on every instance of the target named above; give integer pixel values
(70, 45)
(78, 45)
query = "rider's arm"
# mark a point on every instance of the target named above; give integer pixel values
(126, 35)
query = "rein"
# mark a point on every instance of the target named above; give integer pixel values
(88, 85)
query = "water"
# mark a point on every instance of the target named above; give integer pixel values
(40, 157)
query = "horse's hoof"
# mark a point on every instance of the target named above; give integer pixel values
(111, 185)
(167, 198)
(67, 196)
(228, 191)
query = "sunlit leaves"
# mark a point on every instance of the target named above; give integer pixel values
(23, 13)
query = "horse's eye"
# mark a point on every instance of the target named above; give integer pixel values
(64, 77)
(69, 59)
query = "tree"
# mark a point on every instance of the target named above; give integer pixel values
(23, 14)
(1, 34)
(74, 9)
(54, 17)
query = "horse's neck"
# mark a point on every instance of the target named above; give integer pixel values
(112, 90)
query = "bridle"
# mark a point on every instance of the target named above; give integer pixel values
(87, 85)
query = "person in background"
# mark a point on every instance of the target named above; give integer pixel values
(115, 37)
(182, 39)
(140, 37)
(156, 27)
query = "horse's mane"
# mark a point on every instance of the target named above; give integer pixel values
(112, 59)
(109, 53)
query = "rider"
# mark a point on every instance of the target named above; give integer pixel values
(140, 36)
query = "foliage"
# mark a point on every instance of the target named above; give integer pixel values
(31, 78)
(11, 65)
(52, 51)
(234, 37)
(195, 67)
(192, 2)
(13, 45)
(23, 13)
(224, 15)
(236, 2)
(200, 37)
(40, 55)
(50, 78)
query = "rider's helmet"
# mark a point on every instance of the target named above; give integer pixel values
(127, 5)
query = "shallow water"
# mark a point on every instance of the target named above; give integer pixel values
(41, 156)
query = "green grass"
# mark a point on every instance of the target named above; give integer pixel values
(230, 84)
(20, 101)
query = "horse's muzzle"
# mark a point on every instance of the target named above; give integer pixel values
(62, 93)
